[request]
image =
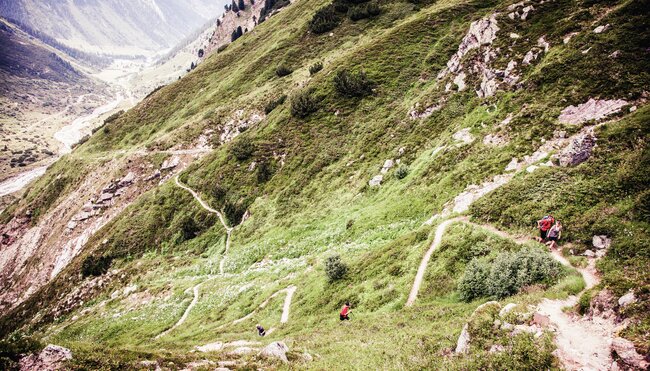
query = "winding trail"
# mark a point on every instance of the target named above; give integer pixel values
(285, 308)
(583, 343)
(437, 239)
(195, 289)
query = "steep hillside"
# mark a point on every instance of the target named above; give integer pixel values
(419, 143)
(129, 28)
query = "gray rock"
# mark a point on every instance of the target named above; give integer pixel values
(388, 164)
(71, 224)
(106, 197)
(276, 350)
(170, 163)
(591, 110)
(51, 357)
(579, 150)
(601, 242)
(376, 180)
(127, 180)
(589, 254)
(627, 299)
(82, 216)
(462, 345)
(497, 348)
(507, 309)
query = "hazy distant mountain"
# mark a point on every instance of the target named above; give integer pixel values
(128, 27)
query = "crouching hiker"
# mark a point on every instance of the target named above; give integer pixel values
(260, 330)
(554, 234)
(544, 225)
(345, 311)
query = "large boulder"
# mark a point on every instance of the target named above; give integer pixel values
(462, 345)
(601, 242)
(591, 110)
(52, 357)
(579, 150)
(275, 350)
(627, 299)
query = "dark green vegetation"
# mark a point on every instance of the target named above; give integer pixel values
(309, 199)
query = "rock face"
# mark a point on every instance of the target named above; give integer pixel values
(626, 351)
(276, 350)
(481, 32)
(591, 110)
(51, 357)
(579, 150)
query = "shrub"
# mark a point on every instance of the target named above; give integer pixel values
(325, 19)
(95, 265)
(283, 70)
(234, 212)
(315, 68)
(272, 104)
(401, 172)
(585, 302)
(264, 172)
(352, 84)
(363, 11)
(303, 103)
(242, 149)
(508, 273)
(335, 268)
(472, 284)
(114, 116)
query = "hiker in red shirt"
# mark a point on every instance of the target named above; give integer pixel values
(544, 225)
(345, 311)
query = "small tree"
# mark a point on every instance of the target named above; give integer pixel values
(303, 104)
(402, 172)
(315, 68)
(335, 268)
(234, 6)
(273, 103)
(241, 5)
(242, 149)
(352, 84)
(283, 70)
(324, 20)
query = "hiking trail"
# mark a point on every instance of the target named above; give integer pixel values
(195, 289)
(285, 308)
(582, 342)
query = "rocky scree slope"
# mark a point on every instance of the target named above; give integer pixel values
(481, 109)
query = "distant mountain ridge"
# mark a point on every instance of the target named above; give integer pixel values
(135, 27)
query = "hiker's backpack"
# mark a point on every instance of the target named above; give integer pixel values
(547, 222)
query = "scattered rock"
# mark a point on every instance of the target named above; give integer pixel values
(628, 354)
(603, 304)
(568, 37)
(463, 136)
(579, 150)
(512, 165)
(530, 56)
(459, 80)
(495, 140)
(481, 32)
(589, 254)
(71, 224)
(601, 242)
(615, 54)
(627, 299)
(514, 35)
(202, 364)
(507, 309)
(106, 197)
(462, 345)
(242, 351)
(127, 180)
(51, 357)
(376, 180)
(497, 348)
(276, 350)
(388, 164)
(601, 28)
(212, 347)
(170, 163)
(591, 110)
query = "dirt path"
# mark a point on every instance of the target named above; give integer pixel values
(195, 289)
(425, 260)
(285, 309)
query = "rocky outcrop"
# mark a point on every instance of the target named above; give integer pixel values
(275, 351)
(627, 299)
(52, 357)
(463, 136)
(238, 124)
(579, 149)
(628, 355)
(591, 110)
(601, 242)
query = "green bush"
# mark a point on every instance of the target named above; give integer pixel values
(274, 103)
(364, 11)
(264, 172)
(325, 19)
(303, 103)
(508, 273)
(283, 70)
(335, 268)
(234, 212)
(352, 84)
(315, 68)
(401, 172)
(585, 301)
(14, 347)
(242, 149)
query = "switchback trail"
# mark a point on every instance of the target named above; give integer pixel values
(285, 308)
(195, 289)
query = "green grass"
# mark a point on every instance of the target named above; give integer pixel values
(315, 201)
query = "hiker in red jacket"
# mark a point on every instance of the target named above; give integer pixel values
(345, 311)
(544, 225)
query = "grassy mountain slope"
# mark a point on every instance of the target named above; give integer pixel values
(309, 198)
